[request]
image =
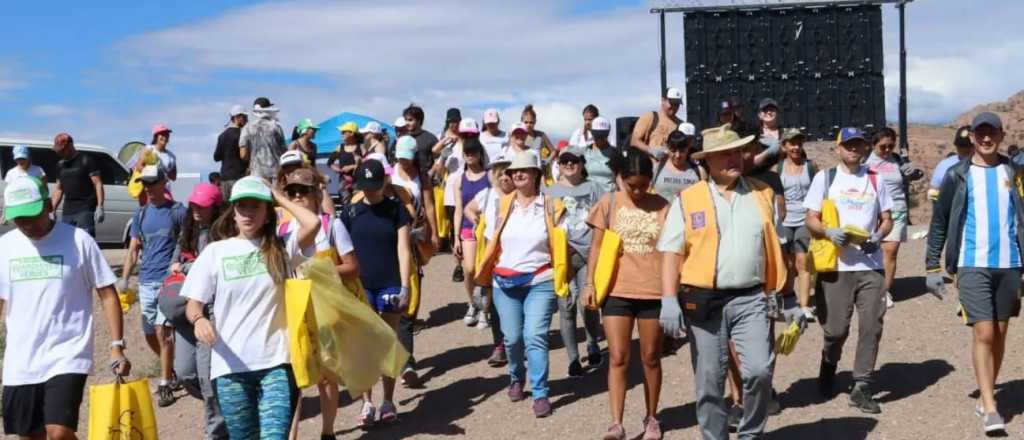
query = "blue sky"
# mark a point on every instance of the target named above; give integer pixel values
(108, 71)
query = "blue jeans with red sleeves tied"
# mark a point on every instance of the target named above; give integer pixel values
(525, 314)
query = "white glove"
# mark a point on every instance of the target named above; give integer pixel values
(99, 215)
(837, 236)
(121, 285)
(403, 298)
(671, 317)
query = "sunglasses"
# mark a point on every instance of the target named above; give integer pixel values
(297, 190)
(150, 183)
(567, 161)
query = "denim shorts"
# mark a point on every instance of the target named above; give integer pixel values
(151, 314)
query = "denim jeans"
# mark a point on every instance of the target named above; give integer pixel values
(152, 317)
(525, 319)
(81, 220)
(567, 308)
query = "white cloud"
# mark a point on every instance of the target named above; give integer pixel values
(49, 110)
(9, 80)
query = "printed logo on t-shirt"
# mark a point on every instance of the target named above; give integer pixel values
(49, 267)
(243, 266)
(697, 220)
(856, 200)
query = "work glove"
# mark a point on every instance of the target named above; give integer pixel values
(121, 285)
(99, 215)
(671, 318)
(800, 315)
(120, 366)
(871, 246)
(935, 284)
(403, 298)
(908, 170)
(837, 236)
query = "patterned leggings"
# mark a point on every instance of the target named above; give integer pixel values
(258, 404)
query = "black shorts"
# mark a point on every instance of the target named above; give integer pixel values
(988, 294)
(798, 239)
(29, 408)
(631, 307)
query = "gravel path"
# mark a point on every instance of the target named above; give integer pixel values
(925, 381)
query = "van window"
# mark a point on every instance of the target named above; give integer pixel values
(45, 158)
(111, 172)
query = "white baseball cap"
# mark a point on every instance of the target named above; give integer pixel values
(372, 127)
(600, 123)
(687, 129)
(491, 116)
(290, 157)
(674, 94)
(236, 110)
(518, 126)
(400, 122)
(468, 125)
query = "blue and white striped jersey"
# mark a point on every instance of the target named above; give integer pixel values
(989, 238)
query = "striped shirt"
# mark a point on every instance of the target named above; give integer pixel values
(990, 230)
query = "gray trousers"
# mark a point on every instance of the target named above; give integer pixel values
(840, 293)
(567, 312)
(192, 364)
(744, 319)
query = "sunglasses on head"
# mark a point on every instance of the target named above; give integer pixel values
(297, 190)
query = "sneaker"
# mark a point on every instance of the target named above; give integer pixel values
(165, 397)
(826, 379)
(615, 432)
(541, 407)
(735, 415)
(498, 356)
(470, 318)
(367, 417)
(652, 429)
(993, 423)
(515, 392)
(388, 412)
(888, 301)
(860, 397)
(575, 369)
(979, 410)
(481, 321)
(457, 275)
(410, 378)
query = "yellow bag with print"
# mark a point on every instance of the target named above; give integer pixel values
(355, 344)
(303, 348)
(824, 253)
(607, 258)
(121, 410)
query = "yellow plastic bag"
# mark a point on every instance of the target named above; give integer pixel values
(135, 187)
(481, 242)
(303, 349)
(824, 253)
(560, 261)
(786, 342)
(607, 265)
(128, 298)
(121, 411)
(444, 224)
(355, 343)
(414, 292)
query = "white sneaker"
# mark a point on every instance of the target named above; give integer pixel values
(888, 301)
(481, 321)
(470, 318)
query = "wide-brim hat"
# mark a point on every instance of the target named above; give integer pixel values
(720, 139)
(525, 160)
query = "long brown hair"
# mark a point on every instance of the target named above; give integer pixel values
(189, 240)
(271, 246)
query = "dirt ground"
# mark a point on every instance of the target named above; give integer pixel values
(925, 381)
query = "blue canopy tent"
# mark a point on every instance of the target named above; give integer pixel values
(328, 137)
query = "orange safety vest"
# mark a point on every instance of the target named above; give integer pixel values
(558, 244)
(699, 267)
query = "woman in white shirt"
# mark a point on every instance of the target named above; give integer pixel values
(520, 258)
(243, 276)
(23, 167)
(582, 137)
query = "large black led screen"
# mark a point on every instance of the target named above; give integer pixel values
(823, 65)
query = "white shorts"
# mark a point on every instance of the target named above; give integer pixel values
(899, 228)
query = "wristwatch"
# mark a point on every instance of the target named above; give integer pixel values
(118, 343)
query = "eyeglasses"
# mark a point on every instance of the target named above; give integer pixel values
(886, 145)
(297, 190)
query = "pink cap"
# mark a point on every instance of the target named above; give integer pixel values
(206, 195)
(491, 116)
(468, 125)
(160, 128)
(519, 126)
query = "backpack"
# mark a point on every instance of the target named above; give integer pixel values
(630, 124)
(809, 169)
(830, 175)
(423, 249)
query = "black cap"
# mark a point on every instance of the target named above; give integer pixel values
(370, 176)
(454, 115)
(962, 138)
(724, 107)
(472, 145)
(767, 102)
(262, 102)
(987, 118)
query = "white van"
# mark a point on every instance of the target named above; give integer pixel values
(118, 206)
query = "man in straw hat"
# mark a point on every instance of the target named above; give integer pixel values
(857, 280)
(712, 274)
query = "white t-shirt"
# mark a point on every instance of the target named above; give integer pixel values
(47, 287)
(252, 330)
(17, 172)
(493, 145)
(859, 203)
(488, 200)
(342, 240)
(524, 241)
(412, 185)
(577, 139)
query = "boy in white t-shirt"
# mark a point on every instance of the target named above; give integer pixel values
(23, 166)
(47, 274)
(862, 201)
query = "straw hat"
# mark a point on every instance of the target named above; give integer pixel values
(717, 140)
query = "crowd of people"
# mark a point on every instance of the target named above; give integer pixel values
(709, 236)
